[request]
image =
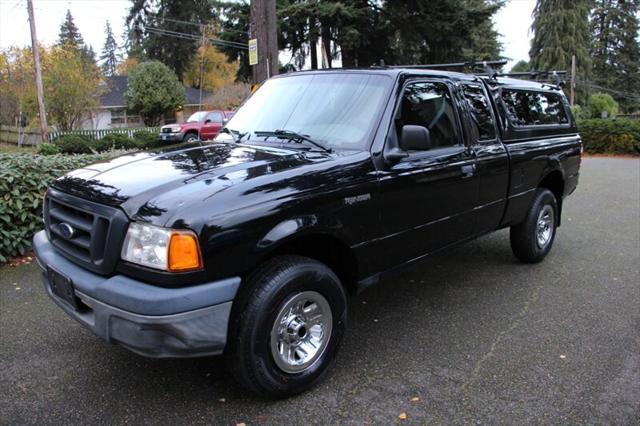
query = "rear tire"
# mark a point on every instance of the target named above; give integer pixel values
(532, 239)
(286, 326)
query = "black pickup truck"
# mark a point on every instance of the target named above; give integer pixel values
(323, 183)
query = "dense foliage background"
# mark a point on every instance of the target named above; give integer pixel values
(620, 136)
(23, 181)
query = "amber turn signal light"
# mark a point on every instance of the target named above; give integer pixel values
(184, 252)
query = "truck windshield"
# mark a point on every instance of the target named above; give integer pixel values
(196, 116)
(336, 109)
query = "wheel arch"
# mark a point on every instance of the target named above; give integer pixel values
(305, 237)
(554, 182)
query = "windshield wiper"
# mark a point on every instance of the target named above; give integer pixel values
(235, 134)
(293, 136)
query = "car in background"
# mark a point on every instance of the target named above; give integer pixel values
(200, 125)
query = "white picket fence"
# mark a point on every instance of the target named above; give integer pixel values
(99, 134)
(19, 136)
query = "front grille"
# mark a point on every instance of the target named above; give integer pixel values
(166, 130)
(87, 233)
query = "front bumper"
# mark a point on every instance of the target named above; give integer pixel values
(151, 321)
(171, 137)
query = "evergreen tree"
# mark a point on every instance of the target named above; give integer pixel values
(521, 66)
(88, 54)
(345, 30)
(69, 38)
(109, 56)
(615, 49)
(443, 31)
(484, 43)
(560, 30)
(69, 35)
(362, 32)
(149, 21)
(234, 26)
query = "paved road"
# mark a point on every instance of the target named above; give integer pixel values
(473, 334)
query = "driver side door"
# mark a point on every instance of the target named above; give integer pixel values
(212, 125)
(429, 195)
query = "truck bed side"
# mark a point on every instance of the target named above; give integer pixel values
(540, 155)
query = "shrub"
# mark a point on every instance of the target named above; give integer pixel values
(48, 149)
(73, 144)
(145, 139)
(23, 180)
(578, 112)
(114, 141)
(619, 136)
(602, 102)
(152, 90)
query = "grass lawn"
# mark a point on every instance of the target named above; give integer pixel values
(8, 148)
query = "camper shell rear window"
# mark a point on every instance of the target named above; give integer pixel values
(534, 108)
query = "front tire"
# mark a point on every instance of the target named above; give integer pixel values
(286, 326)
(532, 239)
(190, 137)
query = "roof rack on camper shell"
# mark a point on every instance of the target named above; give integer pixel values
(489, 70)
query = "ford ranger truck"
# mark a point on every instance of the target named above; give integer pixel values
(322, 184)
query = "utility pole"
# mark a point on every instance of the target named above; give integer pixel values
(202, 52)
(263, 28)
(573, 80)
(44, 130)
(325, 59)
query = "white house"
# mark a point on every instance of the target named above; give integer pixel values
(112, 112)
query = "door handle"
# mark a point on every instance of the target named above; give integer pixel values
(468, 171)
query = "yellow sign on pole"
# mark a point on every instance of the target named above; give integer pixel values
(253, 51)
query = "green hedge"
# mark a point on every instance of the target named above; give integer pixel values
(607, 136)
(75, 144)
(146, 139)
(23, 181)
(80, 144)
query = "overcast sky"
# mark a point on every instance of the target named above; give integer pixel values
(513, 22)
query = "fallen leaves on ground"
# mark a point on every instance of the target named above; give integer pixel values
(21, 260)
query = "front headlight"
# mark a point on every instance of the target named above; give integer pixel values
(161, 248)
(175, 129)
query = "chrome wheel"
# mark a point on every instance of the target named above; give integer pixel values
(301, 331)
(544, 226)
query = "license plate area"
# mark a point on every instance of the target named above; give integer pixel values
(62, 286)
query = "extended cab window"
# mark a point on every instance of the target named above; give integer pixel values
(480, 109)
(530, 108)
(429, 105)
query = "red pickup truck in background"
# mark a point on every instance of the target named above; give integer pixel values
(201, 125)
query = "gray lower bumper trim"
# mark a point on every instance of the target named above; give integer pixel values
(188, 334)
(149, 320)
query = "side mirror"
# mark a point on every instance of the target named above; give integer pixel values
(207, 121)
(415, 138)
(225, 121)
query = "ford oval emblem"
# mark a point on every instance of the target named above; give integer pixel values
(66, 231)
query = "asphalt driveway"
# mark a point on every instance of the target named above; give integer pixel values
(469, 336)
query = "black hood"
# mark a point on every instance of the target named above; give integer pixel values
(141, 182)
